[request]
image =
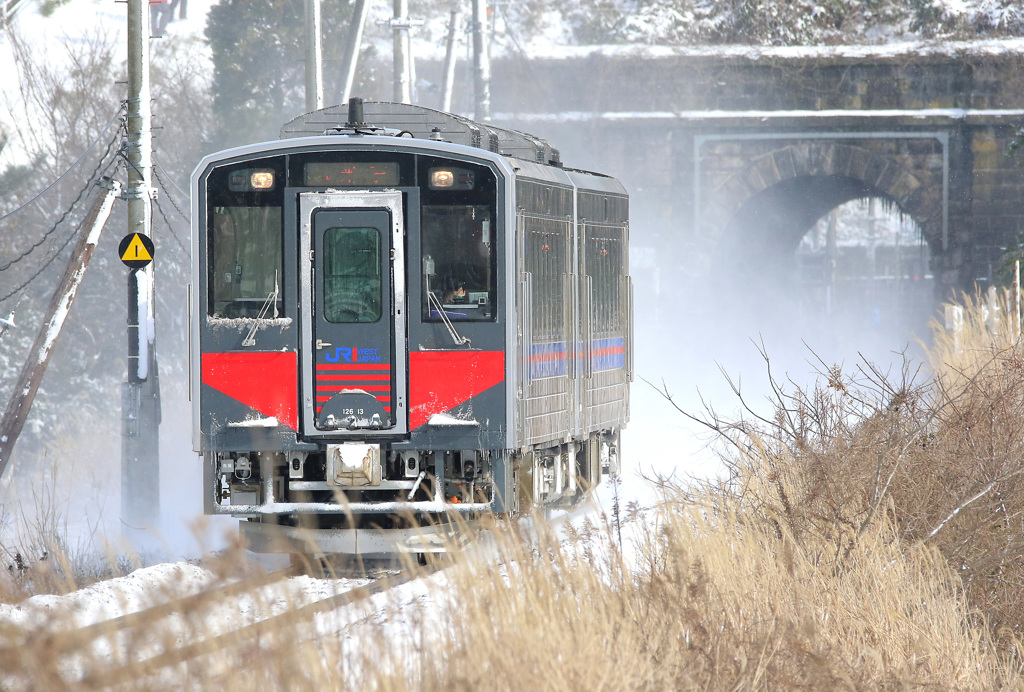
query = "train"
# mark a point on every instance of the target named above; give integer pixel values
(402, 321)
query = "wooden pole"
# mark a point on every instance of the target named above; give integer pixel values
(481, 63)
(355, 38)
(314, 59)
(56, 313)
(447, 86)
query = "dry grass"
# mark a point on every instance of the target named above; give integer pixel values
(714, 602)
(868, 536)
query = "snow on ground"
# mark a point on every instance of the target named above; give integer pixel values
(78, 21)
(108, 599)
(403, 615)
(981, 47)
(153, 586)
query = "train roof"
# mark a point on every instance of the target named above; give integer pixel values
(423, 123)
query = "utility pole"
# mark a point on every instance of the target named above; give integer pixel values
(355, 38)
(314, 59)
(481, 63)
(140, 395)
(60, 305)
(402, 56)
(402, 90)
(449, 59)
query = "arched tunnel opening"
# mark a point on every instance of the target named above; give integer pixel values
(831, 258)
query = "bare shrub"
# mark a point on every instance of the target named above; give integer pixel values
(939, 458)
(39, 551)
(976, 488)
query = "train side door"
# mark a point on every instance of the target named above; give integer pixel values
(353, 314)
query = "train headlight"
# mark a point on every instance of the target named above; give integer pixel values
(262, 180)
(245, 179)
(442, 178)
(450, 178)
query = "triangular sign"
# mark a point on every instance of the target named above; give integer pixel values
(136, 251)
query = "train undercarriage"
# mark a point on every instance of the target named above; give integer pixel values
(366, 499)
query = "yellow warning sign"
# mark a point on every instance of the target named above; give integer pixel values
(136, 250)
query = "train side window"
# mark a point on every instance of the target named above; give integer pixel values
(604, 258)
(245, 261)
(546, 260)
(351, 275)
(458, 262)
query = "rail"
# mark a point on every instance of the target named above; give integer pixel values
(74, 652)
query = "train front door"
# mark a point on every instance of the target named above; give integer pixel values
(353, 314)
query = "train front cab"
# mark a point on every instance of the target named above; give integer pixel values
(349, 336)
(384, 335)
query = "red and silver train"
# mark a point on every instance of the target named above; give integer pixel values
(399, 316)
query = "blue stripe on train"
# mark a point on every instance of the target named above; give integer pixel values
(607, 354)
(549, 360)
(552, 359)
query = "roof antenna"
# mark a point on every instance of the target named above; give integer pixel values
(355, 113)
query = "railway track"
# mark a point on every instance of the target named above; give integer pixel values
(144, 643)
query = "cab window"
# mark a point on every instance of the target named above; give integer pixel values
(458, 262)
(245, 262)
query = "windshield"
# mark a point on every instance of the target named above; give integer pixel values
(244, 260)
(458, 262)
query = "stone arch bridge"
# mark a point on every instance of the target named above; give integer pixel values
(734, 153)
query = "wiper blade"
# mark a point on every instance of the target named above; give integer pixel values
(456, 337)
(250, 338)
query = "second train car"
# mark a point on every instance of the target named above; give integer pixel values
(400, 315)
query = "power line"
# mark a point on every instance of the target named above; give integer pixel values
(158, 167)
(46, 189)
(159, 179)
(170, 198)
(54, 227)
(17, 289)
(170, 227)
